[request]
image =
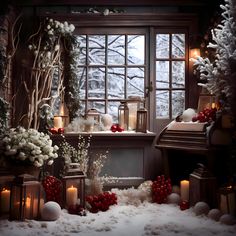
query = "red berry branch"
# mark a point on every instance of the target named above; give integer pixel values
(161, 188)
(53, 189)
(101, 202)
(207, 115)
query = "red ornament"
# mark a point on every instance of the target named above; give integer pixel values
(119, 128)
(53, 130)
(60, 131)
(184, 205)
(114, 128)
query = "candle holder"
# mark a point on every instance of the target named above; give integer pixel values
(123, 115)
(133, 103)
(141, 125)
(227, 201)
(5, 186)
(202, 186)
(73, 186)
(25, 198)
(64, 114)
(93, 114)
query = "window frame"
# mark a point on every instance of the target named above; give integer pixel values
(163, 21)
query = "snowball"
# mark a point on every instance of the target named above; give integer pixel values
(214, 214)
(188, 115)
(201, 208)
(176, 189)
(227, 219)
(173, 198)
(51, 211)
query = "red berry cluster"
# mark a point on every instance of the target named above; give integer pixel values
(77, 210)
(53, 189)
(101, 202)
(207, 115)
(116, 127)
(161, 188)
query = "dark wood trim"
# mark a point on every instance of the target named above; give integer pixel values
(112, 3)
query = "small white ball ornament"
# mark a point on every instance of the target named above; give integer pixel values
(51, 211)
(214, 214)
(188, 115)
(173, 198)
(227, 219)
(201, 208)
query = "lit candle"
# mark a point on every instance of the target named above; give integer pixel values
(27, 207)
(5, 200)
(132, 121)
(184, 190)
(71, 196)
(58, 122)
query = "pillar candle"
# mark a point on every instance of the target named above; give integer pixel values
(58, 122)
(184, 190)
(5, 200)
(71, 196)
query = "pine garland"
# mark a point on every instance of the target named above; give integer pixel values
(71, 81)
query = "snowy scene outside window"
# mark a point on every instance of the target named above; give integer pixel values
(170, 75)
(111, 68)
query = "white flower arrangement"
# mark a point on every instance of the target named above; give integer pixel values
(28, 146)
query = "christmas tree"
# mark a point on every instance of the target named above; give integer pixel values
(220, 74)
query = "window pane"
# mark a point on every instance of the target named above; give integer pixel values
(162, 74)
(96, 82)
(178, 45)
(81, 109)
(135, 81)
(116, 82)
(136, 51)
(82, 82)
(162, 104)
(178, 74)
(96, 49)
(82, 49)
(162, 45)
(178, 104)
(112, 109)
(99, 105)
(116, 50)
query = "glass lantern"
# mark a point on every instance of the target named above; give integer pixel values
(73, 186)
(64, 114)
(5, 186)
(93, 114)
(141, 125)
(123, 115)
(133, 103)
(227, 200)
(26, 198)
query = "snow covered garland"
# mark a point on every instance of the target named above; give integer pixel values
(221, 73)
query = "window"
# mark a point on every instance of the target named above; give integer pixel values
(170, 74)
(112, 67)
(115, 63)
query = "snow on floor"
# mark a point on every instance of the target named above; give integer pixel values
(130, 217)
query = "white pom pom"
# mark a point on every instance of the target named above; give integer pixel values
(214, 214)
(173, 198)
(227, 219)
(51, 211)
(107, 121)
(188, 115)
(201, 208)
